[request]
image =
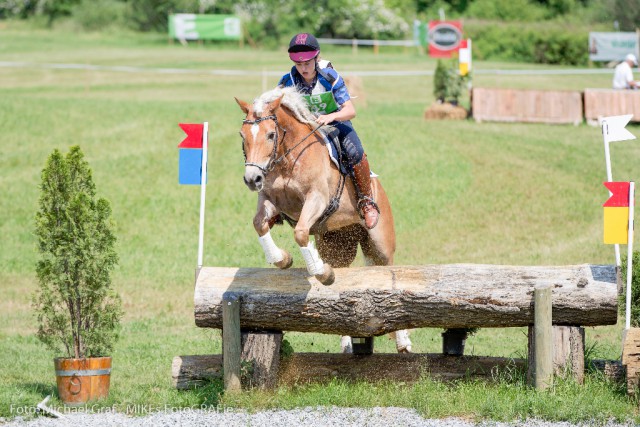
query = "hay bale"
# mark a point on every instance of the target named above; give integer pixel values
(445, 111)
(356, 90)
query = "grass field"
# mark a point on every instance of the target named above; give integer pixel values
(461, 192)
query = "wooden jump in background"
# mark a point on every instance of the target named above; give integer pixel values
(372, 301)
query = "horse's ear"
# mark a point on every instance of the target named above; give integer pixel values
(243, 105)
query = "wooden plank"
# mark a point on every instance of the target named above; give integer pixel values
(302, 368)
(371, 301)
(529, 106)
(231, 343)
(631, 358)
(610, 102)
(543, 339)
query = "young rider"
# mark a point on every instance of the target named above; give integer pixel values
(328, 98)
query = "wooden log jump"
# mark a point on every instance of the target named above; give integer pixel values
(372, 301)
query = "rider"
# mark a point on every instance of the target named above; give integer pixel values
(328, 98)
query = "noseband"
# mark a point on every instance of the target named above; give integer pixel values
(273, 161)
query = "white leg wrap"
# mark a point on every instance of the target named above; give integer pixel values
(346, 345)
(271, 252)
(402, 340)
(312, 259)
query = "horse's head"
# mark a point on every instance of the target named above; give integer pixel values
(260, 134)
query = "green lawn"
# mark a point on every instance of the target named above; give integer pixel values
(461, 192)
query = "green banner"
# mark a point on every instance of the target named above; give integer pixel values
(189, 26)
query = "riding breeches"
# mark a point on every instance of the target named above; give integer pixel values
(349, 142)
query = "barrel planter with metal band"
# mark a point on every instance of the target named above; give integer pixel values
(82, 380)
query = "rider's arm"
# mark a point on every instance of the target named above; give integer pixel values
(346, 112)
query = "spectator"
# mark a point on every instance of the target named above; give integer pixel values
(623, 76)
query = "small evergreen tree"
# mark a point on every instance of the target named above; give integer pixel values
(440, 78)
(76, 309)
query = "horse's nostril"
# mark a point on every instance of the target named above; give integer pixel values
(258, 179)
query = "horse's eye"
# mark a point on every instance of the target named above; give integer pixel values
(271, 136)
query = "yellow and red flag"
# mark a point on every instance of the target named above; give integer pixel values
(616, 213)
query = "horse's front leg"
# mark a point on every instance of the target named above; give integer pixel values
(262, 222)
(311, 211)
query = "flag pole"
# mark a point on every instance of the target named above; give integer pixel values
(607, 156)
(203, 181)
(632, 187)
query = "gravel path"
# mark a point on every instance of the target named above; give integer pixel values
(306, 417)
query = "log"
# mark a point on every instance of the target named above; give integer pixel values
(303, 368)
(372, 301)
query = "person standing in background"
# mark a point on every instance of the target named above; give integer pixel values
(623, 76)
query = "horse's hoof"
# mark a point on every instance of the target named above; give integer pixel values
(287, 260)
(406, 349)
(327, 277)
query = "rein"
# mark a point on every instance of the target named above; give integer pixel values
(273, 161)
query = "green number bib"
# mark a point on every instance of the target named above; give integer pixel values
(322, 103)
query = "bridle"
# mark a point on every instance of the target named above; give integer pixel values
(273, 160)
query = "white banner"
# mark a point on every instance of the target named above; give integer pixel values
(612, 46)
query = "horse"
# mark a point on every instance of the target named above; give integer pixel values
(288, 164)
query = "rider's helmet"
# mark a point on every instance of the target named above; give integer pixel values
(303, 47)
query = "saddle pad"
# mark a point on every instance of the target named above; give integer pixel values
(330, 143)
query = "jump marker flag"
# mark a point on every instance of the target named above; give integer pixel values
(193, 168)
(613, 129)
(618, 227)
(464, 57)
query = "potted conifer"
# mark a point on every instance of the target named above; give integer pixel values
(77, 310)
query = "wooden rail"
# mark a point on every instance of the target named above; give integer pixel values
(533, 106)
(609, 102)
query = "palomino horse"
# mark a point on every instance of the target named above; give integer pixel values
(287, 163)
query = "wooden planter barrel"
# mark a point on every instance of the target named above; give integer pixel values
(82, 380)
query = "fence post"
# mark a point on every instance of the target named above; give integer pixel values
(543, 338)
(231, 343)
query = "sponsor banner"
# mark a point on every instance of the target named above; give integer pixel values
(189, 26)
(612, 46)
(444, 38)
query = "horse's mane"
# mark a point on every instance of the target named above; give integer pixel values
(291, 99)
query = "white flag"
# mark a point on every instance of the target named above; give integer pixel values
(613, 128)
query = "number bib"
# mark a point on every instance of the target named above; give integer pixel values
(321, 103)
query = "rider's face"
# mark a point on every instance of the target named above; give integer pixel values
(307, 69)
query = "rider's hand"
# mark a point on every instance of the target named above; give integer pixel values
(325, 119)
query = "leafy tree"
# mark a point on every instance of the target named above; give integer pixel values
(77, 311)
(627, 13)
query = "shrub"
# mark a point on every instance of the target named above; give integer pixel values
(77, 311)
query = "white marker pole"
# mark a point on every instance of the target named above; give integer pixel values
(203, 181)
(632, 187)
(607, 157)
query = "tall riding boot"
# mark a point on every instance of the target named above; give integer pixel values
(367, 207)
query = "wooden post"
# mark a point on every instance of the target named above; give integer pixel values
(543, 338)
(261, 350)
(231, 346)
